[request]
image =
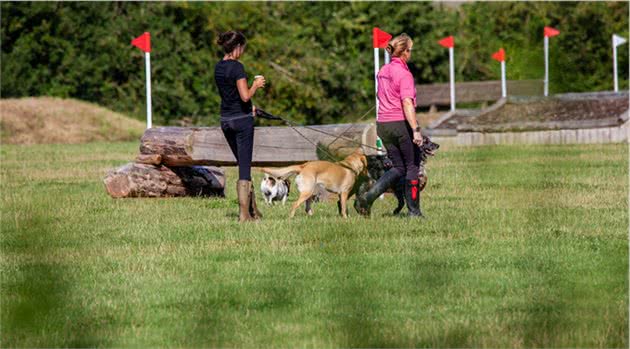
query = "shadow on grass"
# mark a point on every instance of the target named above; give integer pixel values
(36, 306)
(362, 291)
(226, 313)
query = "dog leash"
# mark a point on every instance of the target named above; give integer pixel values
(265, 115)
(349, 127)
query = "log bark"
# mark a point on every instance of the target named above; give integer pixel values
(144, 180)
(273, 146)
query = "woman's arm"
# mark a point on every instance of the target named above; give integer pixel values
(247, 93)
(410, 114)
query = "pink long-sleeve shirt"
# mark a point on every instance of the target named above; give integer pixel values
(395, 83)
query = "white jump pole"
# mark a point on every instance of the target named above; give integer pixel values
(616, 41)
(376, 69)
(615, 82)
(451, 59)
(147, 59)
(503, 84)
(546, 66)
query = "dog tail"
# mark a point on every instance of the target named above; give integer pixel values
(282, 172)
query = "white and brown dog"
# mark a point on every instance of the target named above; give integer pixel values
(275, 189)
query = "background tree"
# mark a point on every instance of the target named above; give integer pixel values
(317, 56)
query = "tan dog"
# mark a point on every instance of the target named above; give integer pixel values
(336, 177)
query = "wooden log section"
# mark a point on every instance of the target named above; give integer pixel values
(144, 180)
(273, 146)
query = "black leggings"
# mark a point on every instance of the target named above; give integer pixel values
(397, 138)
(239, 134)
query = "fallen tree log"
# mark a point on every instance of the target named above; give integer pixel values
(273, 146)
(144, 180)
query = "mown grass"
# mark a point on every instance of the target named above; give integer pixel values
(524, 246)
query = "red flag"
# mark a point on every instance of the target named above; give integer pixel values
(447, 42)
(499, 55)
(143, 42)
(380, 38)
(549, 32)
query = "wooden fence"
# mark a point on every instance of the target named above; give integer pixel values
(475, 91)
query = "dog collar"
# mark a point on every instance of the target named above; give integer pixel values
(342, 164)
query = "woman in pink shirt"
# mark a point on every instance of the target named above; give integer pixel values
(397, 127)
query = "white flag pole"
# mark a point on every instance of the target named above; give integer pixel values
(615, 82)
(503, 85)
(452, 73)
(616, 41)
(376, 68)
(147, 60)
(546, 66)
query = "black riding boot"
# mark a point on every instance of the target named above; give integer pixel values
(412, 197)
(364, 202)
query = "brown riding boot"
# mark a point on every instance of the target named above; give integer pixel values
(243, 190)
(253, 210)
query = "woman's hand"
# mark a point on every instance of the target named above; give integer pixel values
(259, 81)
(417, 138)
(247, 93)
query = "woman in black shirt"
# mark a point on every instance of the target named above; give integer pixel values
(237, 116)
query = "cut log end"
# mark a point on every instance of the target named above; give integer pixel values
(117, 185)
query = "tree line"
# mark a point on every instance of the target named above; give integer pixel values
(317, 56)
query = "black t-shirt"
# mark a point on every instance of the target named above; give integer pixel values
(226, 72)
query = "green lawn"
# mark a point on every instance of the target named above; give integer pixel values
(523, 247)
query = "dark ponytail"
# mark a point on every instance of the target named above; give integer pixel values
(230, 40)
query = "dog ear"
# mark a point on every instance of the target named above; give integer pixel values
(365, 171)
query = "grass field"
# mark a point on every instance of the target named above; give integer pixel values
(523, 247)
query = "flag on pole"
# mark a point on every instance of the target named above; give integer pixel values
(380, 38)
(618, 40)
(499, 55)
(143, 42)
(551, 32)
(447, 42)
(548, 32)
